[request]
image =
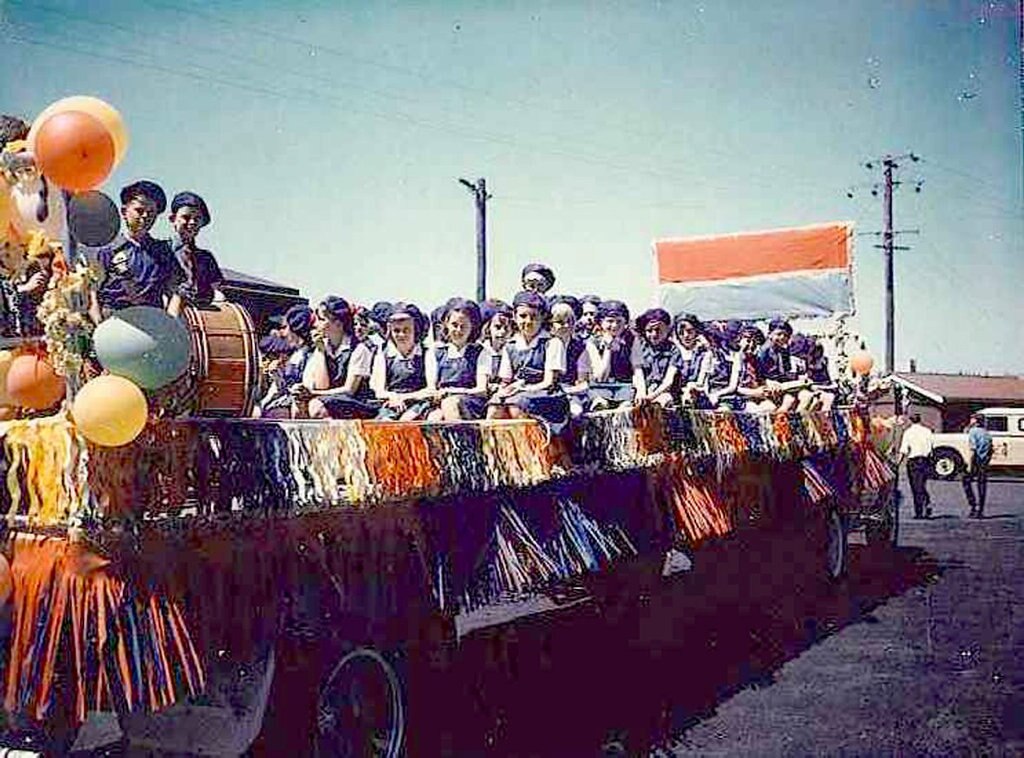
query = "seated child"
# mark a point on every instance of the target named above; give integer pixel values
(278, 402)
(337, 379)
(458, 370)
(532, 363)
(746, 390)
(586, 324)
(822, 386)
(614, 355)
(576, 379)
(399, 374)
(775, 365)
(655, 377)
(696, 359)
(495, 330)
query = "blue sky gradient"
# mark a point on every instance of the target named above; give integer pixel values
(328, 139)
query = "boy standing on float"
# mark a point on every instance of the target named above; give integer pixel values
(135, 268)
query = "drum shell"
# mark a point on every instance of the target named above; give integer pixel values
(225, 359)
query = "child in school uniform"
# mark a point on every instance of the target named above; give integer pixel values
(614, 355)
(816, 369)
(696, 359)
(655, 377)
(278, 402)
(201, 276)
(496, 330)
(576, 379)
(532, 363)
(336, 382)
(536, 277)
(135, 268)
(746, 389)
(459, 369)
(399, 374)
(775, 365)
(586, 323)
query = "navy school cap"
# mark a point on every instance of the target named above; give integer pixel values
(145, 188)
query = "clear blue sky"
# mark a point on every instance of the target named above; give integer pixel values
(328, 137)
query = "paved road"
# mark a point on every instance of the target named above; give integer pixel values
(936, 669)
(917, 652)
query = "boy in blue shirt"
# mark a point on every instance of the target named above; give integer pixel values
(135, 268)
(201, 275)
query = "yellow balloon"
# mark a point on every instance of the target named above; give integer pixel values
(6, 357)
(110, 410)
(105, 113)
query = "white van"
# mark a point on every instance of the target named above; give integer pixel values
(951, 453)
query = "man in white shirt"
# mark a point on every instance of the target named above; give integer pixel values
(916, 450)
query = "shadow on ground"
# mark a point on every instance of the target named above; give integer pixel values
(647, 659)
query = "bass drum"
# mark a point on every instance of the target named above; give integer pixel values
(225, 359)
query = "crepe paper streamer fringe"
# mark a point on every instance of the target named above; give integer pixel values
(217, 469)
(815, 485)
(519, 563)
(697, 503)
(129, 649)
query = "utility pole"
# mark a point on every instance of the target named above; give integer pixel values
(890, 295)
(889, 163)
(480, 198)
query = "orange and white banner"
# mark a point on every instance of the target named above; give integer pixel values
(797, 272)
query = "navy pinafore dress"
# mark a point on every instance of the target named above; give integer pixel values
(460, 371)
(404, 373)
(551, 404)
(346, 405)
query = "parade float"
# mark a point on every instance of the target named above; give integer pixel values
(158, 542)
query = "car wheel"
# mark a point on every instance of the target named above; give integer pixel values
(946, 464)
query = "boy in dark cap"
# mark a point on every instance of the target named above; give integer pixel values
(536, 277)
(135, 269)
(201, 275)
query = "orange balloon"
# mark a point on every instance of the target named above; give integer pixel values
(32, 383)
(6, 581)
(861, 363)
(93, 106)
(75, 151)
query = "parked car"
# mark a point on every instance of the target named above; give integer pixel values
(951, 452)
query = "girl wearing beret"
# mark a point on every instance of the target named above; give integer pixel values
(496, 330)
(576, 379)
(399, 374)
(532, 363)
(459, 369)
(336, 383)
(536, 277)
(278, 403)
(745, 390)
(614, 356)
(655, 377)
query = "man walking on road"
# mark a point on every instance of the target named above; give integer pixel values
(980, 443)
(916, 450)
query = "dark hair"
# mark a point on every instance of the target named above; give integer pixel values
(780, 323)
(191, 200)
(408, 310)
(470, 310)
(530, 299)
(12, 128)
(915, 418)
(652, 314)
(491, 308)
(613, 308)
(339, 309)
(299, 319)
(147, 189)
